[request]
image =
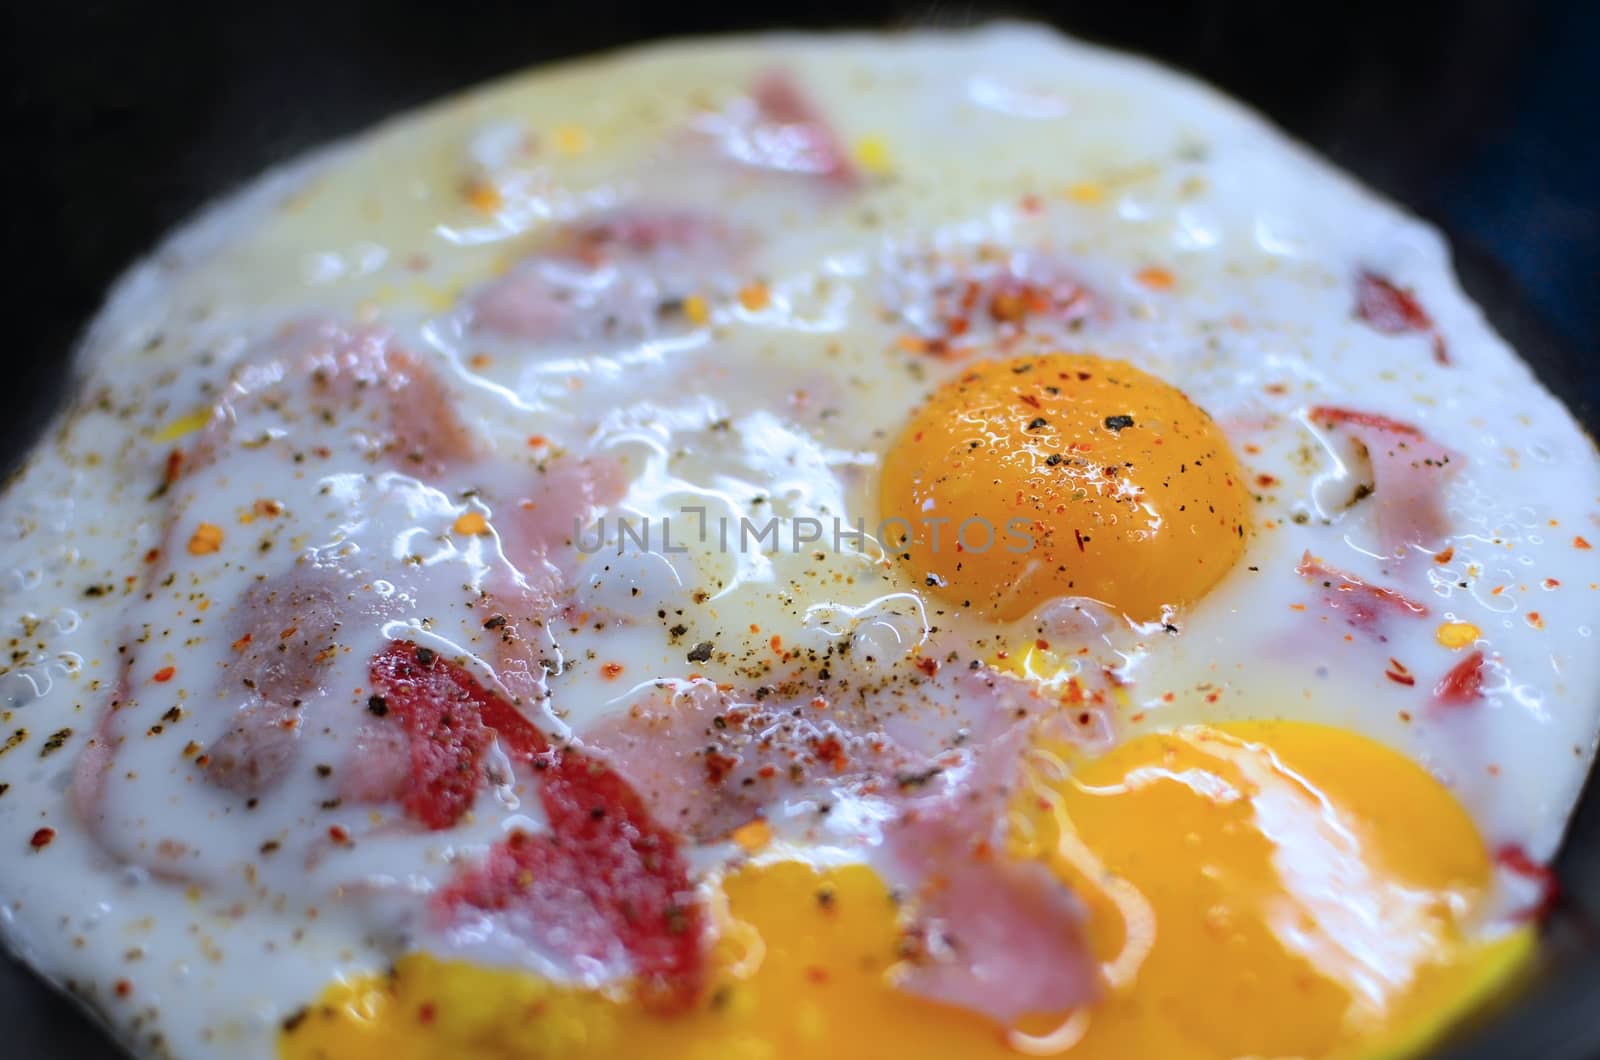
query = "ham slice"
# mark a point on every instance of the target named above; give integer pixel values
(955, 307)
(935, 762)
(623, 275)
(778, 128)
(606, 884)
(393, 408)
(1394, 310)
(1368, 609)
(1408, 475)
(992, 934)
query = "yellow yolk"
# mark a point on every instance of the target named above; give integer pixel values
(1269, 888)
(1064, 475)
(1263, 889)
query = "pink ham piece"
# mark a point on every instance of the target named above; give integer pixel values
(942, 757)
(784, 131)
(1395, 310)
(1409, 473)
(956, 307)
(317, 393)
(398, 409)
(606, 884)
(1366, 608)
(622, 275)
(993, 934)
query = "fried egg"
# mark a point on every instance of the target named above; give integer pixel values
(963, 543)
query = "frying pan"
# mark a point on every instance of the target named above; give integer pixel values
(126, 117)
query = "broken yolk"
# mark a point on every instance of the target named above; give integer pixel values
(1063, 475)
(1264, 889)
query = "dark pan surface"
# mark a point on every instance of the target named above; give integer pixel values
(126, 117)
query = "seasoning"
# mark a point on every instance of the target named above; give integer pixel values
(207, 538)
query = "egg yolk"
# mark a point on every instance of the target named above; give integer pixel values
(1063, 475)
(1260, 889)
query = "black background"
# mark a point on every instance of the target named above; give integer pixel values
(123, 117)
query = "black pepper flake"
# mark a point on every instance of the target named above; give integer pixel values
(57, 740)
(907, 781)
(492, 622)
(679, 630)
(1039, 422)
(378, 705)
(425, 656)
(1053, 459)
(1117, 423)
(677, 920)
(700, 652)
(292, 1021)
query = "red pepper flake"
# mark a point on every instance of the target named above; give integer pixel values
(1515, 860)
(1463, 685)
(830, 750)
(42, 838)
(1579, 542)
(1042, 644)
(1266, 481)
(163, 675)
(816, 973)
(122, 988)
(338, 834)
(426, 1012)
(1448, 554)
(242, 642)
(611, 671)
(173, 469)
(1551, 583)
(1535, 620)
(1398, 673)
(928, 664)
